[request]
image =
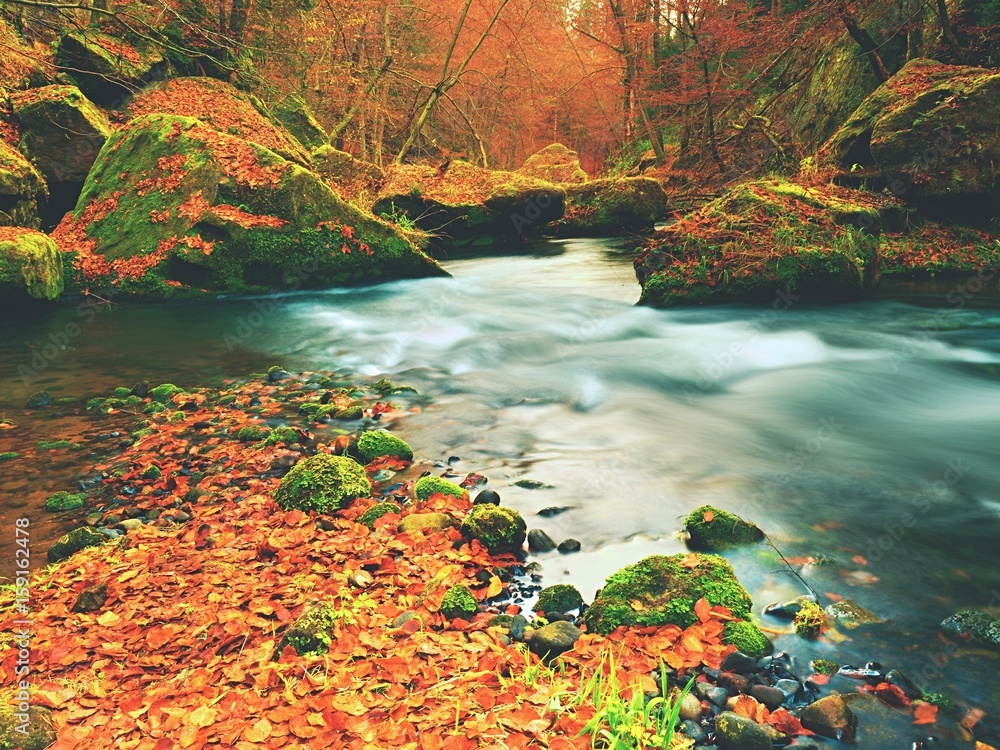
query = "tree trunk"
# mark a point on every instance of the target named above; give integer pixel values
(948, 34)
(864, 40)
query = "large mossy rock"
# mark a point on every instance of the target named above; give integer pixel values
(61, 131)
(175, 208)
(615, 205)
(977, 625)
(30, 266)
(770, 240)
(74, 541)
(350, 178)
(711, 529)
(323, 483)
(21, 189)
(220, 106)
(311, 632)
(295, 114)
(108, 68)
(555, 163)
(38, 732)
(465, 206)
(662, 590)
(932, 131)
(501, 530)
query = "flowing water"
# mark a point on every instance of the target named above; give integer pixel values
(864, 432)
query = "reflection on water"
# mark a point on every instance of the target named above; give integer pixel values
(856, 431)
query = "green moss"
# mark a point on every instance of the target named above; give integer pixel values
(9, 455)
(459, 602)
(123, 393)
(501, 530)
(154, 407)
(560, 598)
(286, 435)
(943, 701)
(662, 590)
(252, 433)
(40, 733)
(980, 626)
(824, 666)
(370, 516)
(30, 265)
(23, 184)
(427, 486)
(724, 530)
(52, 445)
(374, 444)
(385, 386)
(153, 472)
(165, 393)
(312, 632)
(74, 541)
(810, 620)
(322, 483)
(747, 637)
(63, 500)
(614, 205)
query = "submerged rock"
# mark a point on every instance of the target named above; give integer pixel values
(712, 529)
(977, 625)
(830, 717)
(851, 614)
(30, 266)
(175, 208)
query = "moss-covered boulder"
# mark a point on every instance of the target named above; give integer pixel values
(63, 500)
(614, 205)
(220, 106)
(23, 725)
(175, 208)
(932, 132)
(459, 602)
(375, 444)
(735, 732)
(312, 631)
(976, 625)
(662, 590)
(108, 69)
(74, 541)
(465, 206)
(427, 523)
(766, 241)
(711, 529)
(22, 189)
(165, 392)
(370, 516)
(323, 483)
(61, 132)
(427, 486)
(30, 266)
(499, 529)
(560, 598)
(555, 163)
(350, 178)
(297, 117)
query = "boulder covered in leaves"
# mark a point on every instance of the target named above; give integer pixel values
(663, 590)
(174, 208)
(932, 132)
(350, 178)
(22, 189)
(220, 106)
(464, 206)
(614, 205)
(762, 240)
(554, 163)
(30, 266)
(109, 68)
(61, 131)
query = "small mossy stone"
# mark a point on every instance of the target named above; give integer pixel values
(153, 472)
(312, 631)
(500, 529)
(824, 666)
(39, 400)
(252, 433)
(163, 393)
(810, 620)
(370, 516)
(458, 602)
(122, 392)
(276, 373)
(323, 483)
(712, 529)
(39, 732)
(286, 435)
(662, 590)
(426, 522)
(74, 541)
(91, 598)
(735, 732)
(747, 637)
(427, 486)
(375, 444)
(560, 598)
(850, 614)
(549, 641)
(64, 501)
(976, 625)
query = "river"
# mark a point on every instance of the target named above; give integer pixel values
(864, 432)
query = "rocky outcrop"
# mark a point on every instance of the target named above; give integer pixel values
(554, 163)
(350, 178)
(21, 189)
(177, 208)
(612, 206)
(932, 134)
(297, 117)
(763, 239)
(30, 266)
(464, 206)
(108, 69)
